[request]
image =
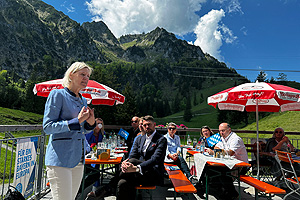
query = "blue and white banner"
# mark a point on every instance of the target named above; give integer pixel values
(25, 165)
(123, 133)
(213, 140)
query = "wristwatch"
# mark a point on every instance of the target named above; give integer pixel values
(137, 169)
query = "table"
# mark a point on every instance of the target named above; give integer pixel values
(233, 165)
(112, 161)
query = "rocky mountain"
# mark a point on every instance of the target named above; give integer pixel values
(159, 43)
(32, 29)
(33, 34)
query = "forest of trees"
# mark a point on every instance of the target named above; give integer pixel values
(152, 88)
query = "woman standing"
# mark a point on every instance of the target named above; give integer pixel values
(66, 119)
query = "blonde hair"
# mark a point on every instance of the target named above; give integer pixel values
(75, 67)
(102, 129)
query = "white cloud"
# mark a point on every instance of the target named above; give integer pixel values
(227, 36)
(234, 6)
(177, 16)
(137, 16)
(211, 33)
(70, 8)
(244, 30)
(231, 6)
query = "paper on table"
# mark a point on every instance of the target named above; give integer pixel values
(118, 154)
(172, 168)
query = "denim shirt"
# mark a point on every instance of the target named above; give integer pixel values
(173, 145)
(66, 142)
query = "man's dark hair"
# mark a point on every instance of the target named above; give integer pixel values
(148, 118)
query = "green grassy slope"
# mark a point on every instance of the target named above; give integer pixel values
(15, 117)
(18, 117)
(204, 114)
(289, 121)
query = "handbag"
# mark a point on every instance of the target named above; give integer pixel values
(13, 195)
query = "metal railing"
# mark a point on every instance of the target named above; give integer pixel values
(8, 153)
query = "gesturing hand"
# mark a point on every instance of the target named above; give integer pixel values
(91, 118)
(83, 115)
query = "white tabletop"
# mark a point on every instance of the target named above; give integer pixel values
(201, 159)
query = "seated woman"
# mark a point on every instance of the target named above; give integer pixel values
(206, 132)
(97, 134)
(278, 142)
(92, 139)
(173, 151)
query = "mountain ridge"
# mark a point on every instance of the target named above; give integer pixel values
(35, 32)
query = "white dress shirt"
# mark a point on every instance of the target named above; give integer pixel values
(235, 143)
(147, 141)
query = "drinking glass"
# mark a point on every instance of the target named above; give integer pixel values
(227, 156)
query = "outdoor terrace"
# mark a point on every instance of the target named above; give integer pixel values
(41, 191)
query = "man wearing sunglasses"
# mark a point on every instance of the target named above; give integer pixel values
(173, 151)
(132, 132)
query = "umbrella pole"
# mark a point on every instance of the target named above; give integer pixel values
(257, 142)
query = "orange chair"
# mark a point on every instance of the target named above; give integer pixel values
(291, 182)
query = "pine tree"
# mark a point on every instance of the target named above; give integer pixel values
(129, 109)
(187, 115)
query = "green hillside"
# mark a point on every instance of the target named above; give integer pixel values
(203, 114)
(15, 117)
(289, 121)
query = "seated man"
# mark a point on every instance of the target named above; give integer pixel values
(145, 165)
(141, 133)
(133, 131)
(173, 151)
(233, 145)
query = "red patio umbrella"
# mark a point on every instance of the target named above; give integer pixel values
(96, 93)
(257, 97)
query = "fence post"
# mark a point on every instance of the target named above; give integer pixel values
(41, 165)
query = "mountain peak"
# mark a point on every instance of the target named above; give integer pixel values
(100, 32)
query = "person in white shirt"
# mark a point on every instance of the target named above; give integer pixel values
(234, 146)
(231, 143)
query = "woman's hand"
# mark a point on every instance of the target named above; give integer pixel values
(285, 139)
(83, 115)
(91, 118)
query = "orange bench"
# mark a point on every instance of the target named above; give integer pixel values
(261, 186)
(149, 188)
(180, 182)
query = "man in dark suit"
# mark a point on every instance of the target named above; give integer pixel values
(132, 132)
(145, 165)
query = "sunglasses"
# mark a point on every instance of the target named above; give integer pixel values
(278, 132)
(134, 121)
(172, 128)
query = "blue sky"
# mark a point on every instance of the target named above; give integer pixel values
(248, 35)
